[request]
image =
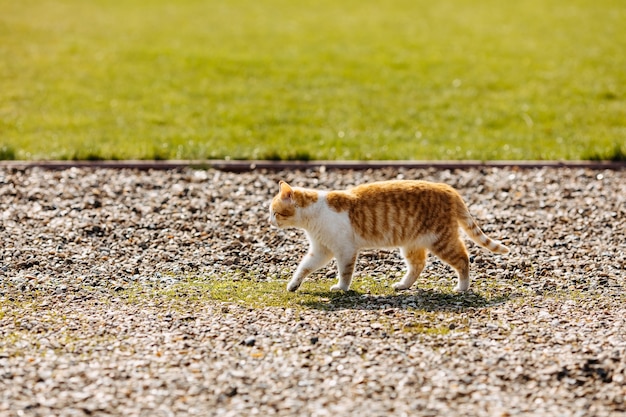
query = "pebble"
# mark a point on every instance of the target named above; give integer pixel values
(249, 341)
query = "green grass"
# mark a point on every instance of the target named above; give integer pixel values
(429, 310)
(366, 292)
(278, 79)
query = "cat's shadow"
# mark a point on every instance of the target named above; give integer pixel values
(420, 299)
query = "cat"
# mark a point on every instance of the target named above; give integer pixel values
(416, 216)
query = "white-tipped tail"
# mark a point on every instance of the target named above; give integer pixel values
(476, 234)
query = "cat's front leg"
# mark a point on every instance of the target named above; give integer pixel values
(312, 261)
(346, 269)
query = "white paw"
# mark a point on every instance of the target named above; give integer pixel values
(461, 289)
(400, 286)
(336, 287)
(292, 286)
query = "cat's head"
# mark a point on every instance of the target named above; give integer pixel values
(283, 207)
(286, 207)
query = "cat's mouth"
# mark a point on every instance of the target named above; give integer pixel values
(273, 221)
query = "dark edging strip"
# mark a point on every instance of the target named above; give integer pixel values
(246, 166)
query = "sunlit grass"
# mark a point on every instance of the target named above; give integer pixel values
(366, 292)
(454, 79)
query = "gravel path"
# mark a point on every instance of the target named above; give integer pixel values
(74, 341)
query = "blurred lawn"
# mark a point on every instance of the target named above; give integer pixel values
(331, 79)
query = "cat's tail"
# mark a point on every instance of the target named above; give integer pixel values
(477, 235)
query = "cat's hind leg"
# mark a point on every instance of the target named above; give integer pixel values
(317, 257)
(415, 259)
(454, 253)
(345, 262)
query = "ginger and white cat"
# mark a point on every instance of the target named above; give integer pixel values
(416, 216)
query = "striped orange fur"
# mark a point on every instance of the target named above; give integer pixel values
(417, 216)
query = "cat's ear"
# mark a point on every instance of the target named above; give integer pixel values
(286, 192)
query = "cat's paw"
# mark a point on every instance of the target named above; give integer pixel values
(461, 289)
(336, 287)
(399, 286)
(293, 286)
